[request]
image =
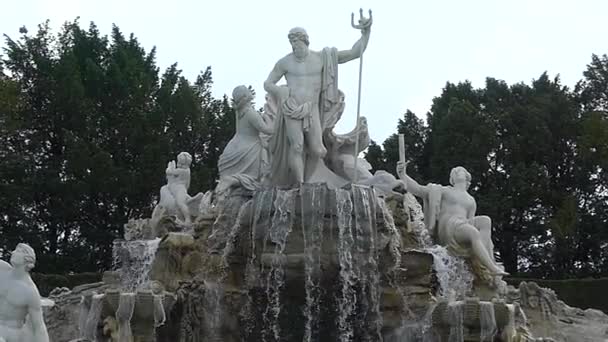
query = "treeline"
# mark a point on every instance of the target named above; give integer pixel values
(88, 123)
(538, 155)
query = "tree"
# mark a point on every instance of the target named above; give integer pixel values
(414, 135)
(375, 156)
(90, 126)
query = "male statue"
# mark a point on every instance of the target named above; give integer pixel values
(306, 107)
(20, 305)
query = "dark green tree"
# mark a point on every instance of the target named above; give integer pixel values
(375, 156)
(88, 127)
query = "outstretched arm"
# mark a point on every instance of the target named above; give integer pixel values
(355, 52)
(257, 121)
(410, 184)
(365, 25)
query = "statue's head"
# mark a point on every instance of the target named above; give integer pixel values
(23, 255)
(298, 38)
(241, 95)
(184, 159)
(460, 174)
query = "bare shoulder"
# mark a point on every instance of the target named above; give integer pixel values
(315, 53)
(33, 296)
(5, 266)
(286, 60)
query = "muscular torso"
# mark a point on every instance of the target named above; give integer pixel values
(15, 297)
(304, 78)
(455, 203)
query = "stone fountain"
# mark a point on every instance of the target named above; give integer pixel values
(301, 242)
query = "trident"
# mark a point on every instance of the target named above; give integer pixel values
(363, 24)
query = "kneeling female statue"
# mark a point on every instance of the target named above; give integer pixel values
(245, 158)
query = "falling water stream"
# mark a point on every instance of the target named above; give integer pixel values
(92, 317)
(133, 261)
(487, 320)
(284, 207)
(262, 205)
(456, 319)
(313, 201)
(347, 302)
(215, 290)
(124, 314)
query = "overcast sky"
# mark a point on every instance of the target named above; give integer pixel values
(415, 46)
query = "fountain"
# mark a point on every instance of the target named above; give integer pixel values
(300, 242)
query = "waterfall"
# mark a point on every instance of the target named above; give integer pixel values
(347, 302)
(456, 319)
(213, 311)
(233, 232)
(133, 260)
(83, 314)
(284, 207)
(453, 273)
(160, 316)
(214, 291)
(262, 205)
(89, 319)
(124, 314)
(487, 321)
(312, 201)
(367, 270)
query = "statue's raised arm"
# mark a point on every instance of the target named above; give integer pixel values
(410, 184)
(365, 25)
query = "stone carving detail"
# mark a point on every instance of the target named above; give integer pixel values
(174, 198)
(450, 216)
(261, 259)
(307, 110)
(245, 158)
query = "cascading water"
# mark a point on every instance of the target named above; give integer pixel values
(347, 303)
(83, 314)
(213, 310)
(453, 274)
(367, 270)
(487, 320)
(262, 206)
(90, 318)
(313, 199)
(160, 316)
(280, 228)
(456, 319)
(342, 309)
(214, 291)
(133, 261)
(124, 313)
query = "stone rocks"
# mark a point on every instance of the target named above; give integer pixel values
(551, 318)
(177, 259)
(62, 318)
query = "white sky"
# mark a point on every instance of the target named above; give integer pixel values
(415, 47)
